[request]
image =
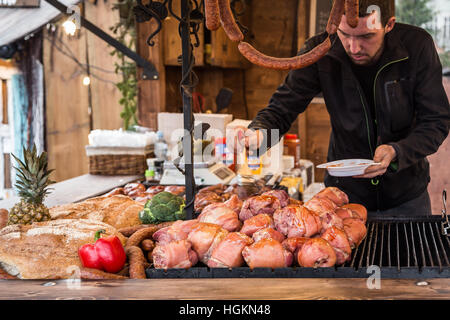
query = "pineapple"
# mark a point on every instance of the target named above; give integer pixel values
(32, 182)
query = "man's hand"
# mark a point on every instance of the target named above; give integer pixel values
(384, 154)
(242, 137)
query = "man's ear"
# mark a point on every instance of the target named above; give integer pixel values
(389, 25)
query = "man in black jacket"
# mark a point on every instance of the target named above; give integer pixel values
(382, 86)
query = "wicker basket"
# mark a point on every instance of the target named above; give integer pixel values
(118, 160)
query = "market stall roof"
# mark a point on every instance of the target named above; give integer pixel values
(18, 22)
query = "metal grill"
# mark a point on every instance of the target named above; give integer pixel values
(415, 243)
(403, 247)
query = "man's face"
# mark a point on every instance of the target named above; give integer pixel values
(365, 43)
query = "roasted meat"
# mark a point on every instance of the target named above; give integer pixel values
(334, 194)
(175, 254)
(267, 253)
(281, 195)
(257, 205)
(337, 238)
(228, 253)
(320, 205)
(296, 221)
(221, 214)
(133, 189)
(179, 230)
(359, 211)
(316, 252)
(234, 203)
(205, 198)
(205, 237)
(256, 223)
(355, 230)
(155, 189)
(326, 210)
(294, 244)
(268, 233)
(177, 190)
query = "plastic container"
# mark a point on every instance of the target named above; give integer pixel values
(161, 147)
(220, 149)
(292, 147)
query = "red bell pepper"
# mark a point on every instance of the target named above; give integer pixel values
(106, 254)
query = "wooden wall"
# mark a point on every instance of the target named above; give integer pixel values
(73, 109)
(67, 103)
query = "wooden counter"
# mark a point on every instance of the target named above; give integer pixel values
(218, 289)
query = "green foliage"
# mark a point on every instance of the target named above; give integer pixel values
(33, 178)
(415, 12)
(164, 206)
(125, 30)
(445, 59)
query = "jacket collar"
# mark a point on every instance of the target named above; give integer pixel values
(394, 49)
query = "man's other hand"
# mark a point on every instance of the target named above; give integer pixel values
(384, 154)
(241, 137)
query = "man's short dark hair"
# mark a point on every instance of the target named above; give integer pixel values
(387, 8)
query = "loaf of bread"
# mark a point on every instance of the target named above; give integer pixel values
(48, 250)
(118, 211)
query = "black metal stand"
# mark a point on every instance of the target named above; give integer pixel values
(186, 90)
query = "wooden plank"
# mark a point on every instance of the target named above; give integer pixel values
(104, 93)
(151, 93)
(67, 103)
(229, 289)
(224, 52)
(78, 189)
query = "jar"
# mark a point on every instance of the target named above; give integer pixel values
(291, 147)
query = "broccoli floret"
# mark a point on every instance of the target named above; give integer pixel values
(164, 206)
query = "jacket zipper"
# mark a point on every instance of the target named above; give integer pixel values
(374, 89)
(376, 181)
(367, 120)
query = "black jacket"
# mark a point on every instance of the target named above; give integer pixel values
(412, 111)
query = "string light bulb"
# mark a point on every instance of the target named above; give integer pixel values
(69, 27)
(86, 81)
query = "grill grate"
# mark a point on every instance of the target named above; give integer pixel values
(402, 247)
(396, 244)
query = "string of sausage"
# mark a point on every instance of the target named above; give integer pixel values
(94, 274)
(128, 231)
(335, 16)
(228, 23)
(352, 12)
(297, 62)
(137, 262)
(212, 14)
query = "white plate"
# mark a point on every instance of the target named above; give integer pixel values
(347, 167)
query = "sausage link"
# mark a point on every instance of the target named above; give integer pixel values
(297, 62)
(212, 14)
(138, 236)
(352, 12)
(137, 262)
(94, 274)
(228, 23)
(114, 192)
(129, 231)
(147, 245)
(335, 16)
